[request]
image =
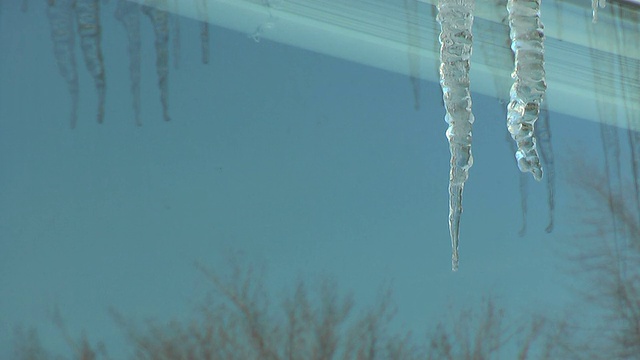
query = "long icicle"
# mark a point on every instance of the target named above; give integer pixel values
(456, 40)
(527, 92)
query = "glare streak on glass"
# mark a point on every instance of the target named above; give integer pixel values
(88, 19)
(128, 13)
(60, 14)
(527, 92)
(543, 134)
(160, 21)
(456, 40)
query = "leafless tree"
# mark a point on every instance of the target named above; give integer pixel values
(606, 256)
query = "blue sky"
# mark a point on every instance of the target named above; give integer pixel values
(309, 164)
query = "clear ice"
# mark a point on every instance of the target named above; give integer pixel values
(527, 92)
(456, 19)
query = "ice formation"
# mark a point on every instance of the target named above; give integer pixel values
(456, 39)
(128, 13)
(527, 92)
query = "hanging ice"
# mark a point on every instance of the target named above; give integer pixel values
(160, 22)
(456, 18)
(528, 89)
(60, 14)
(88, 18)
(128, 13)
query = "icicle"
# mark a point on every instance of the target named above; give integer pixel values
(128, 13)
(88, 19)
(160, 21)
(413, 51)
(456, 19)
(60, 14)
(594, 7)
(528, 89)
(543, 134)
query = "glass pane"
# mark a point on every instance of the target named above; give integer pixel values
(154, 155)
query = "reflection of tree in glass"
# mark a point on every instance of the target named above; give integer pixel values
(238, 322)
(608, 259)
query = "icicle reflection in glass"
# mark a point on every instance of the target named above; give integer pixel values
(413, 48)
(203, 14)
(594, 6)
(527, 92)
(175, 39)
(204, 40)
(456, 19)
(128, 13)
(88, 19)
(543, 134)
(60, 14)
(160, 21)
